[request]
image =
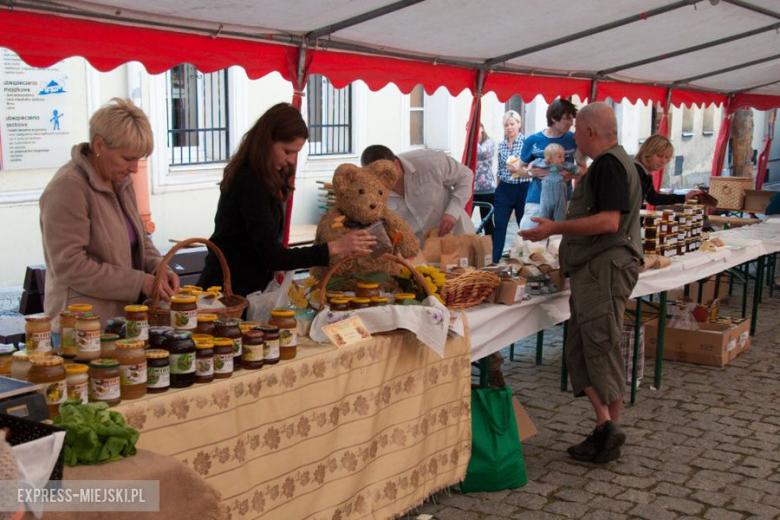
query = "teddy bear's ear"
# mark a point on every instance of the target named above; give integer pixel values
(384, 171)
(344, 176)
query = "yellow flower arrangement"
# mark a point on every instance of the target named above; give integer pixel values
(433, 277)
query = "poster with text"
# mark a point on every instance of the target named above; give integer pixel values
(35, 115)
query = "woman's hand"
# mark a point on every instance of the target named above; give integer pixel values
(513, 167)
(566, 174)
(360, 242)
(692, 194)
(169, 285)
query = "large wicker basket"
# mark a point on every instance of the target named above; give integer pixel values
(234, 304)
(730, 191)
(469, 289)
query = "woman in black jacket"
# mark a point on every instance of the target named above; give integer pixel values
(654, 154)
(250, 217)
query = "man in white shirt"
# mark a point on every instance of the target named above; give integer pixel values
(432, 190)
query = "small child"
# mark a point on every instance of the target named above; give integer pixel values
(554, 189)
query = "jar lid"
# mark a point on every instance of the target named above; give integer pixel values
(75, 368)
(80, 307)
(221, 342)
(21, 355)
(130, 343)
(104, 363)
(183, 298)
(269, 329)
(214, 288)
(404, 296)
(227, 322)
(361, 300)
(190, 286)
(179, 334)
(204, 343)
(379, 299)
(207, 318)
(367, 285)
(7, 350)
(160, 330)
(89, 316)
(136, 308)
(108, 337)
(46, 361)
(37, 318)
(283, 313)
(254, 334)
(202, 337)
(157, 353)
(250, 324)
(339, 300)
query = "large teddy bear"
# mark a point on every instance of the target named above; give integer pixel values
(361, 200)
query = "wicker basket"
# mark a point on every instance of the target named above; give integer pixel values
(234, 304)
(387, 256)
(469, 289)
(730, 191)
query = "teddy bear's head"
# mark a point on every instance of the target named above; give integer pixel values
(361, 193)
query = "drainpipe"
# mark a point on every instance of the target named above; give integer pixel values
(141, 179)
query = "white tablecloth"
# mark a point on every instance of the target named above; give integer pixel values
(494, 326)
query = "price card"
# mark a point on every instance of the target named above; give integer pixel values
(347, 332)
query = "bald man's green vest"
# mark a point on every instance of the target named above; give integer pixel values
(576, 251)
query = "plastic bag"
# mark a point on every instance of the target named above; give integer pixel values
(275, 296)
(683, 319)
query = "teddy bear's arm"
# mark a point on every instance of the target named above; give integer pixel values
(409, 246)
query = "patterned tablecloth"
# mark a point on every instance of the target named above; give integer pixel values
(366, 431)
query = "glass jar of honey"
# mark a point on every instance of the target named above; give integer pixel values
(157, 336)
(158, 370)
(37, 333)
(182, 358)
(137, 323)
(206, 323)
(6, 359)
(132, 368)
(223, 358)
(271, 348)
(400, 297)
(253, 350)
(108, 345)
(117, 326)
(88, 336)
(48, 371)
(204, 358)
(339, 304)
(288, 332)
(78, 382)
(366, 290)
(104, 386)
(360, 303)
(68, 348)
(20, 365)
(228, 328)
(184, 312)
(379, 301)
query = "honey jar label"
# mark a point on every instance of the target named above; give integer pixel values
(88, 340)
(253, 352)
(288, 337)
(68, 338)
(106, 389)
(223, 364)
(238, 346)
(56, 392)
(79, 392)
(38, 342)
(132, 374)
(184, 320)
(183, 363)
(158, 377)
(271, 350)
(204, 366)
(137, 330)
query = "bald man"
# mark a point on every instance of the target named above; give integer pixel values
(601, 251)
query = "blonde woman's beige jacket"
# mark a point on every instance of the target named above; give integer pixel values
(85, 241)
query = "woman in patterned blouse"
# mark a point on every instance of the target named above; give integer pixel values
(511, 190)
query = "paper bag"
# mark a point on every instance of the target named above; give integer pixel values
(482, 246)
(525, 426)
(456, 251)
(432, 246)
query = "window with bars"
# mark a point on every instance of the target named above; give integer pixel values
(417, 116)
(329, 117)
(197, 116)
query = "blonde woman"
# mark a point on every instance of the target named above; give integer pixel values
(654, 154)
(94, 242)
(511, 189)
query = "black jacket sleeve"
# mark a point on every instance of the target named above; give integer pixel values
(649, 193)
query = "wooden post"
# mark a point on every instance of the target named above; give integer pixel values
(742, 142)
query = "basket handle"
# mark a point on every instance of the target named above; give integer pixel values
(227, 288)
(387, 256)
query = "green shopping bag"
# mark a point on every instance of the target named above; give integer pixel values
(496, 455)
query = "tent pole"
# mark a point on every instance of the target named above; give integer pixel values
(472, 135)
(299, 83)
(763, 158)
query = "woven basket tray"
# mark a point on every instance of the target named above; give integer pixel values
(730, 191)
(469, 289)
(234, 304)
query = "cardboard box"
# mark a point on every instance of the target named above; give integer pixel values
(714, 344)
(525, 426)
(510, 291)
(756, 201)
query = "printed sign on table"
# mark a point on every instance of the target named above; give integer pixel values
(347, 332)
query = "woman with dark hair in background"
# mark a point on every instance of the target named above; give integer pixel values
(250, 217)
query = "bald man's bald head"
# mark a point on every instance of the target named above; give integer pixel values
(601, 118)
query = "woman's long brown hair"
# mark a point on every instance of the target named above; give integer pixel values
(281, 123)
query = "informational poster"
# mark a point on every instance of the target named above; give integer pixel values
(35, 114)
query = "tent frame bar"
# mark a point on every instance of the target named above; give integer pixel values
(728, 69)
(754, 8)
(756, 87)
(356, 20)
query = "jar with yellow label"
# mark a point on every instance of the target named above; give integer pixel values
(204, 358)
(48, 371)
(88, 336)
(223, 358)
(6, 359)
(253, 349)
(206, 323)
(184, 312)
(104, 385)
(366, 290)
(37, 333)
(137, 323)
(132, 368)
(360, 303)
(20, 365)
(108, 345)
(339, 304)
(288, 332)
(78, 382)
(271, 352)
(158, 370)
(68, 348)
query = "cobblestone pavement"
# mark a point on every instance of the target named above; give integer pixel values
(705, 445)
